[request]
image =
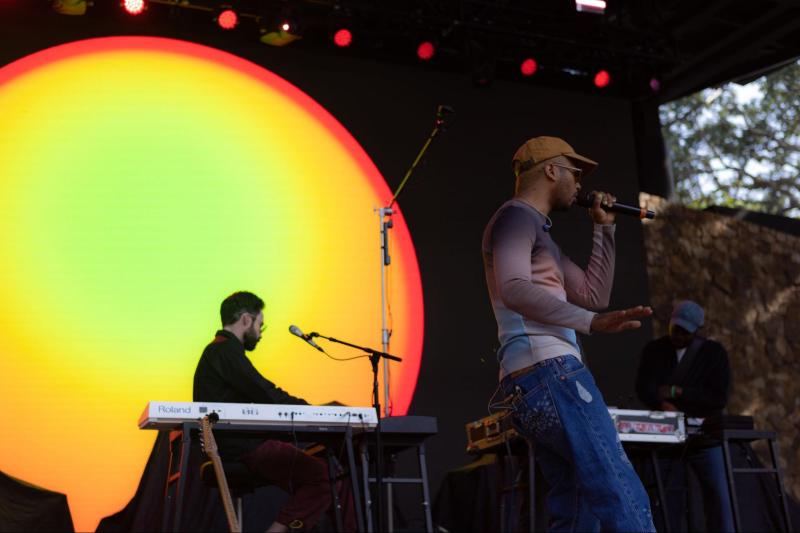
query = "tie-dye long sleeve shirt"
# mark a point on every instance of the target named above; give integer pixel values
(539, 296)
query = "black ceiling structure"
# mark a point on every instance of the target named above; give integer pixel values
(684, 44)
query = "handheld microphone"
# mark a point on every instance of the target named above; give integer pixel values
(586, 199)
(294, 330)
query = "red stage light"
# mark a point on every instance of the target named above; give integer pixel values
(228, 19)
(343, 38)
(602, 79)
(425, 50)
(134, 7)
(529, 67)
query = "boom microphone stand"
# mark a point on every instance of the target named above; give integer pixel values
(443, 113)
(374, 357)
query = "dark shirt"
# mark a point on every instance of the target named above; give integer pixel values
(705, 378)
(225, 374)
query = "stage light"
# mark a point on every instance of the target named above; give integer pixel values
(597, 7)
(69, 7)
(602, 79)
(227, 19)
(283, 32)
(528, 67)
(655, 85)
(280, 28)
(425, 50)
(342, 38)
(134, 7)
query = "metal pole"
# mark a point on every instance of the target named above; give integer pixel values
(385, 214)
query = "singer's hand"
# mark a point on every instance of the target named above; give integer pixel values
(616, 321)
(599, 216)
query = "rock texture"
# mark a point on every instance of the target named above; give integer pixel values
(747, 278)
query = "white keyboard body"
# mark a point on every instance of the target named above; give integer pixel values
(170, 415)
(649, 426)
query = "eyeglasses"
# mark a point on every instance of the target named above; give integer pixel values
(577, 172)
(263, 325)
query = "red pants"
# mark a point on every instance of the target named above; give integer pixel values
(306, 480)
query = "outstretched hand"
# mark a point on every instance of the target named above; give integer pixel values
(616, 321)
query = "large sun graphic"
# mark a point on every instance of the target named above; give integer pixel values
(142, 180)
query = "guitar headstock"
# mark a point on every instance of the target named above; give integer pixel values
(209, 444)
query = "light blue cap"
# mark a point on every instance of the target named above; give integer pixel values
(688, 315)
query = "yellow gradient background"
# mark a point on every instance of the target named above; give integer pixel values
(142, 180)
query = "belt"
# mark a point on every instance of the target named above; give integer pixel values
(522, 371)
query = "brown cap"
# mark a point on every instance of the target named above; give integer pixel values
(541, 149)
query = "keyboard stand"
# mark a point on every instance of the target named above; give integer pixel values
(176, 480)
(515, 458)
(181, 439)
(399, 433)
(741, 435)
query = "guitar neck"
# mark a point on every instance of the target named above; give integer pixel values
(222, 482)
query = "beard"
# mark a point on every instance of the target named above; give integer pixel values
(250, 339)
(564, 200)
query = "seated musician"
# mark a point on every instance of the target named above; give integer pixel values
(225, 374)
(683, 371)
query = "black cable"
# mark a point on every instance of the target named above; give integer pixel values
(344, 358)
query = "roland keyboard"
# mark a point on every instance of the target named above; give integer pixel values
(170, 415)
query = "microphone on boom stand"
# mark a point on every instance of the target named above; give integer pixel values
(443, 114)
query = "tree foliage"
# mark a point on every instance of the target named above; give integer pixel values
(736, 151)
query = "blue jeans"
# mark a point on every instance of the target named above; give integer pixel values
(592, 484)
(709, 466)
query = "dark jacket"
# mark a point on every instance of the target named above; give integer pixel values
(225, 374)
(704, 376)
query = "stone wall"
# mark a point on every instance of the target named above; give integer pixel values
(747, 278)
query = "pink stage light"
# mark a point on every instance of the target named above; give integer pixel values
(602, 79)
(655, 85)
(425, 50)
(528, 67)
(228, 19)
(342, 38)
(134, 7)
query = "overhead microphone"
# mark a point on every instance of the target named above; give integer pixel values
(586, 199)
(294, 330)
(442, 114)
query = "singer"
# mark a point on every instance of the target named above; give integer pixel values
(540, 299)
(225, 374)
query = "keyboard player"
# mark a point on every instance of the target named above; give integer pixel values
(225, 374)
(683, 371)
